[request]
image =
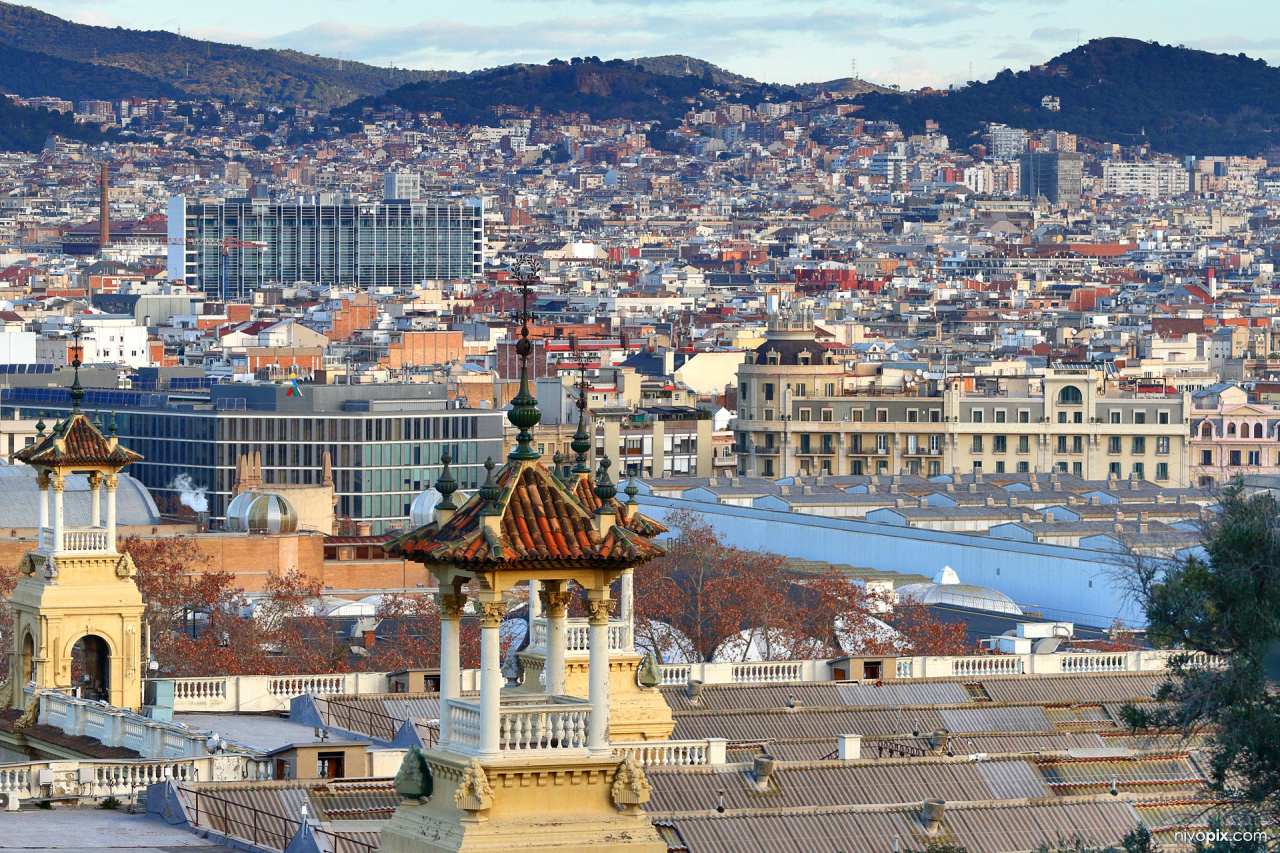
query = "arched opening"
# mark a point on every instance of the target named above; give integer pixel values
(91, 667)
(1257, 430)
(28, 658)
(1231, 430)
(1070, 396)
(1206, 431)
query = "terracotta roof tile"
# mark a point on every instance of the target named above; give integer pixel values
(78, 442)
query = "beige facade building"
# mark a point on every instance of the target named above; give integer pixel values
(802, 411)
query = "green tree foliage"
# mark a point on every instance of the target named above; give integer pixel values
(1114, 90)
(1225, 603)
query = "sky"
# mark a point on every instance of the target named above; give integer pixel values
(910, 43)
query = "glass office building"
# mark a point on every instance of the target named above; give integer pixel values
(394, 243)
(384, 441)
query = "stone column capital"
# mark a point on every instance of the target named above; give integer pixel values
(598, 610)
(491, 613)
(111, 481)
(555, 604)
(451, 606)
(95, 478)
(59, 482)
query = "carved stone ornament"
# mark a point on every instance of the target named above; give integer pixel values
(414, 781)
(30, 714)
(598, 611)
(474, 794)
(125, 567)
(648, 674)
(452, 606)
(491, 613)
(630, 787)
(50, 567)
(555, 604)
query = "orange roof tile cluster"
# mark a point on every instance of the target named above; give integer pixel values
(76, 442)
(583, 488)
(540, 521)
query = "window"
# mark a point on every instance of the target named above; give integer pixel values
(1139, 444)
(1000, 416)
(1139, 470)
(935, 443)
(768, 414)
(882, 443)
(806, 414)
(935, 415)
(1070, 396)
(1255, 457)
(976, 416)
(1231, 430)
(1062, 444)
(977, 467)
(768, 467)
(855, 416)
(1162, 417)
(855, 467)
(1257, 430)
(1235, 458)
(1024, 416)
(913, 416)
(1113, 470)
(999, 466)
(1115, 416)
(1062, 417)
(935, 469)
(1206, 431)
(1077, 468)
(800, 390)
(768, 391)
(804, 443)
(1077, 417)
(1162, 445)
(977, 444)
(1139, 417)
(1024, 444)
(828, 415)
(331, 765)
(1024, 467)
(1206, 457)
(1162, 470)
(1077, 444)
(1113, 444)
(831, 389)
(882, 416)
(999, 444)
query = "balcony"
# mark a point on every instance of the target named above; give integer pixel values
(767, 450)
(525, 722)
(577, 636)
(93, 540)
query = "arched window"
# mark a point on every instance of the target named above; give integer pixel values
(1069, 396)
(1257, 430)
(1231, 430)
(1206, 431)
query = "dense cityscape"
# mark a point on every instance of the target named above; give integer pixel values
(421, 471)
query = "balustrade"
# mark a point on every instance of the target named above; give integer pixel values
(577, 639)
(987, 665)
(524, 722)
(83, 539)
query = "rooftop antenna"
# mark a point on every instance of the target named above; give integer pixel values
(853, 67)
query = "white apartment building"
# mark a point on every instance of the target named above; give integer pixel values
(1004, 142)
(1156, 179)
(106, 340)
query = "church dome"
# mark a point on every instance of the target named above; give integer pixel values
(423, 509)
(261, 512)
(947, 589)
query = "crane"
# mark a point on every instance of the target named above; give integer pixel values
(225, 245)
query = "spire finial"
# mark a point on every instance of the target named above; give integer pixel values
(446, 485)
(490, 492)
(524, 414)
(557, 463)
(40, 426)
(605, 489)
(581, 443)
(76, 393)
(111, 427)
(631, 490)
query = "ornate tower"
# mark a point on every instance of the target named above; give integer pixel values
(508, 760)
(76, 587)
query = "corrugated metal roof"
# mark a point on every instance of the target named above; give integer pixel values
(921, 693)
(1090, 775)
(1099, 687)
(808, 723)
(1016, 719)
(725, 697)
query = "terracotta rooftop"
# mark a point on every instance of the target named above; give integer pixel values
(540, 521)
(77, 441)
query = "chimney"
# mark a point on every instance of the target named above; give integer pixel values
(990, 501)
(104, 223)
(848, 747)
(762, 769)
(931, 813)
(370, 638)
(939, 740)
(692, 690)
(669, 362)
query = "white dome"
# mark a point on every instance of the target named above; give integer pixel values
(423, 509)
(946, 588)
(261, 512)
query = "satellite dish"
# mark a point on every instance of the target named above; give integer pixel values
(1045, 646)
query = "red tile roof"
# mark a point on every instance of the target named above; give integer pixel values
(583, 488)
(77, 442)
(541, 521)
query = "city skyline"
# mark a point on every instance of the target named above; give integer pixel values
(918, 43)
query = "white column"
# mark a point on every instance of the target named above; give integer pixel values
(556, 603)
(59, 483)
(535, 603)
(491, 679)
(43, 482)
(598, 618)
(627, 596)
(112, 482)
(95, 499)
(451, 607)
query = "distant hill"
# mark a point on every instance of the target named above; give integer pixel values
(189, 65)
(849, 86)
(27, 128)
(29, 74)
(604, 90)
(1115, 90)
(679, 65)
